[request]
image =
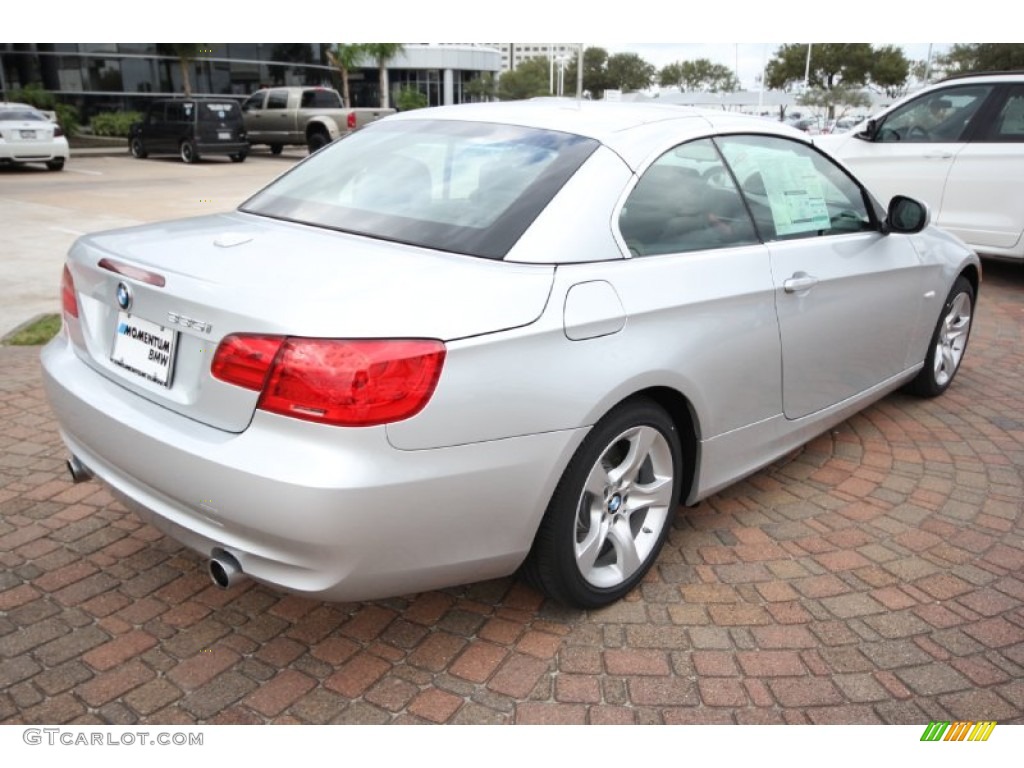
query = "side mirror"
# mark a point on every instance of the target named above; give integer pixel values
(869, 132)
(907, 216)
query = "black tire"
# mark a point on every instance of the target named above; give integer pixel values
(57, 164)
(188, 152)
(238, 157)
(948, 342)
(593, 546)
(137, 148)
(317, 140)
(276, 149)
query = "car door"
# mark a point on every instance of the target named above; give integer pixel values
(984, 197)
(848, 297)
(913, 147)
(255, 117)
(276, 119)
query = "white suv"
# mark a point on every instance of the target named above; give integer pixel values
(957, 145)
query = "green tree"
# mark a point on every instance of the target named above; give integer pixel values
(410, 98)
(835, 101)
(344, 57)
(889, 70)
(982, 57)
(629, 72)
(382, 53)
(38, 97)
(832, 64)
(186, 53)
(482, 88)
(531, 78)
(699, 75)
(595, 71)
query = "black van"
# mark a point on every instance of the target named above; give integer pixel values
(191, 128)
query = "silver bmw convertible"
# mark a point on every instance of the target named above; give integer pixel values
(472, 340)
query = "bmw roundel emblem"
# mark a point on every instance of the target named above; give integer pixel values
(124, 296)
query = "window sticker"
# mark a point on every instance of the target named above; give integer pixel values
(794, 190)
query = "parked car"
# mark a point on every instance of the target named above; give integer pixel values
(27, 135)
(958, 146)
(473, 339)
(192, 129)
(313, 117)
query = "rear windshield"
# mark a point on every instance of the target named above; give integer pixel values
(218, 112)
(21, 114)
(462, 187)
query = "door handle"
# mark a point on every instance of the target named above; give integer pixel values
(796, 284)
(938, 155)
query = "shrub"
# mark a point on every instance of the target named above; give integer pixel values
(114, 123)
(410, 98)
(38, 97)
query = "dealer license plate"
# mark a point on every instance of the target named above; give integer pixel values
(144, 348)
(28, 134)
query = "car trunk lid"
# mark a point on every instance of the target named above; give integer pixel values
(155, 301)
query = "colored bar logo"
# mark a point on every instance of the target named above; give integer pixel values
(961, 730)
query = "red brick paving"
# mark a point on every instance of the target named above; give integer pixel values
(876, 575)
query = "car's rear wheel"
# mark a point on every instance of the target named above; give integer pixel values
(57, 164)
(612, 509)
(276, 149)
(948, 343)
(188, 152)
(317, 140)
(137, 148)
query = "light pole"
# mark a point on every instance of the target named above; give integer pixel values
(561, 73)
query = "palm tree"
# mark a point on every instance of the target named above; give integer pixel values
(344, 57)
(186, 52)
(382, 53)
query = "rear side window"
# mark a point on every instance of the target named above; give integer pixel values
(320, 99)
(277, 100)
(686, 201)
(1008, 125)
(462, 187)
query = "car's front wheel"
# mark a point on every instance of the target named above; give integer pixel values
(276, 149)
(612, 509)
(137, 148)
(948, 343)
(238, 157)
(188, 152)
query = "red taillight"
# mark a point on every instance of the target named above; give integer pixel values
(344, 382)
(67, 294)
(351, 121)
(245, 360)
(58, 131)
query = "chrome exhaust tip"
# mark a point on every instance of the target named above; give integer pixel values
(79, 472)
(224, 569)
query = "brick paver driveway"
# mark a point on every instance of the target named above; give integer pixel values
(877, 575)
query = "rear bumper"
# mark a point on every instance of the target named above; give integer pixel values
(21, 152)
(222, 147)
(333, 513)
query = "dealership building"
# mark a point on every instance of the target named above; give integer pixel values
(106, 77)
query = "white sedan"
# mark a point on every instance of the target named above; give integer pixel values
(29, 136)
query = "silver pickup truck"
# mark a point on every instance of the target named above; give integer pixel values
(310, 116)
